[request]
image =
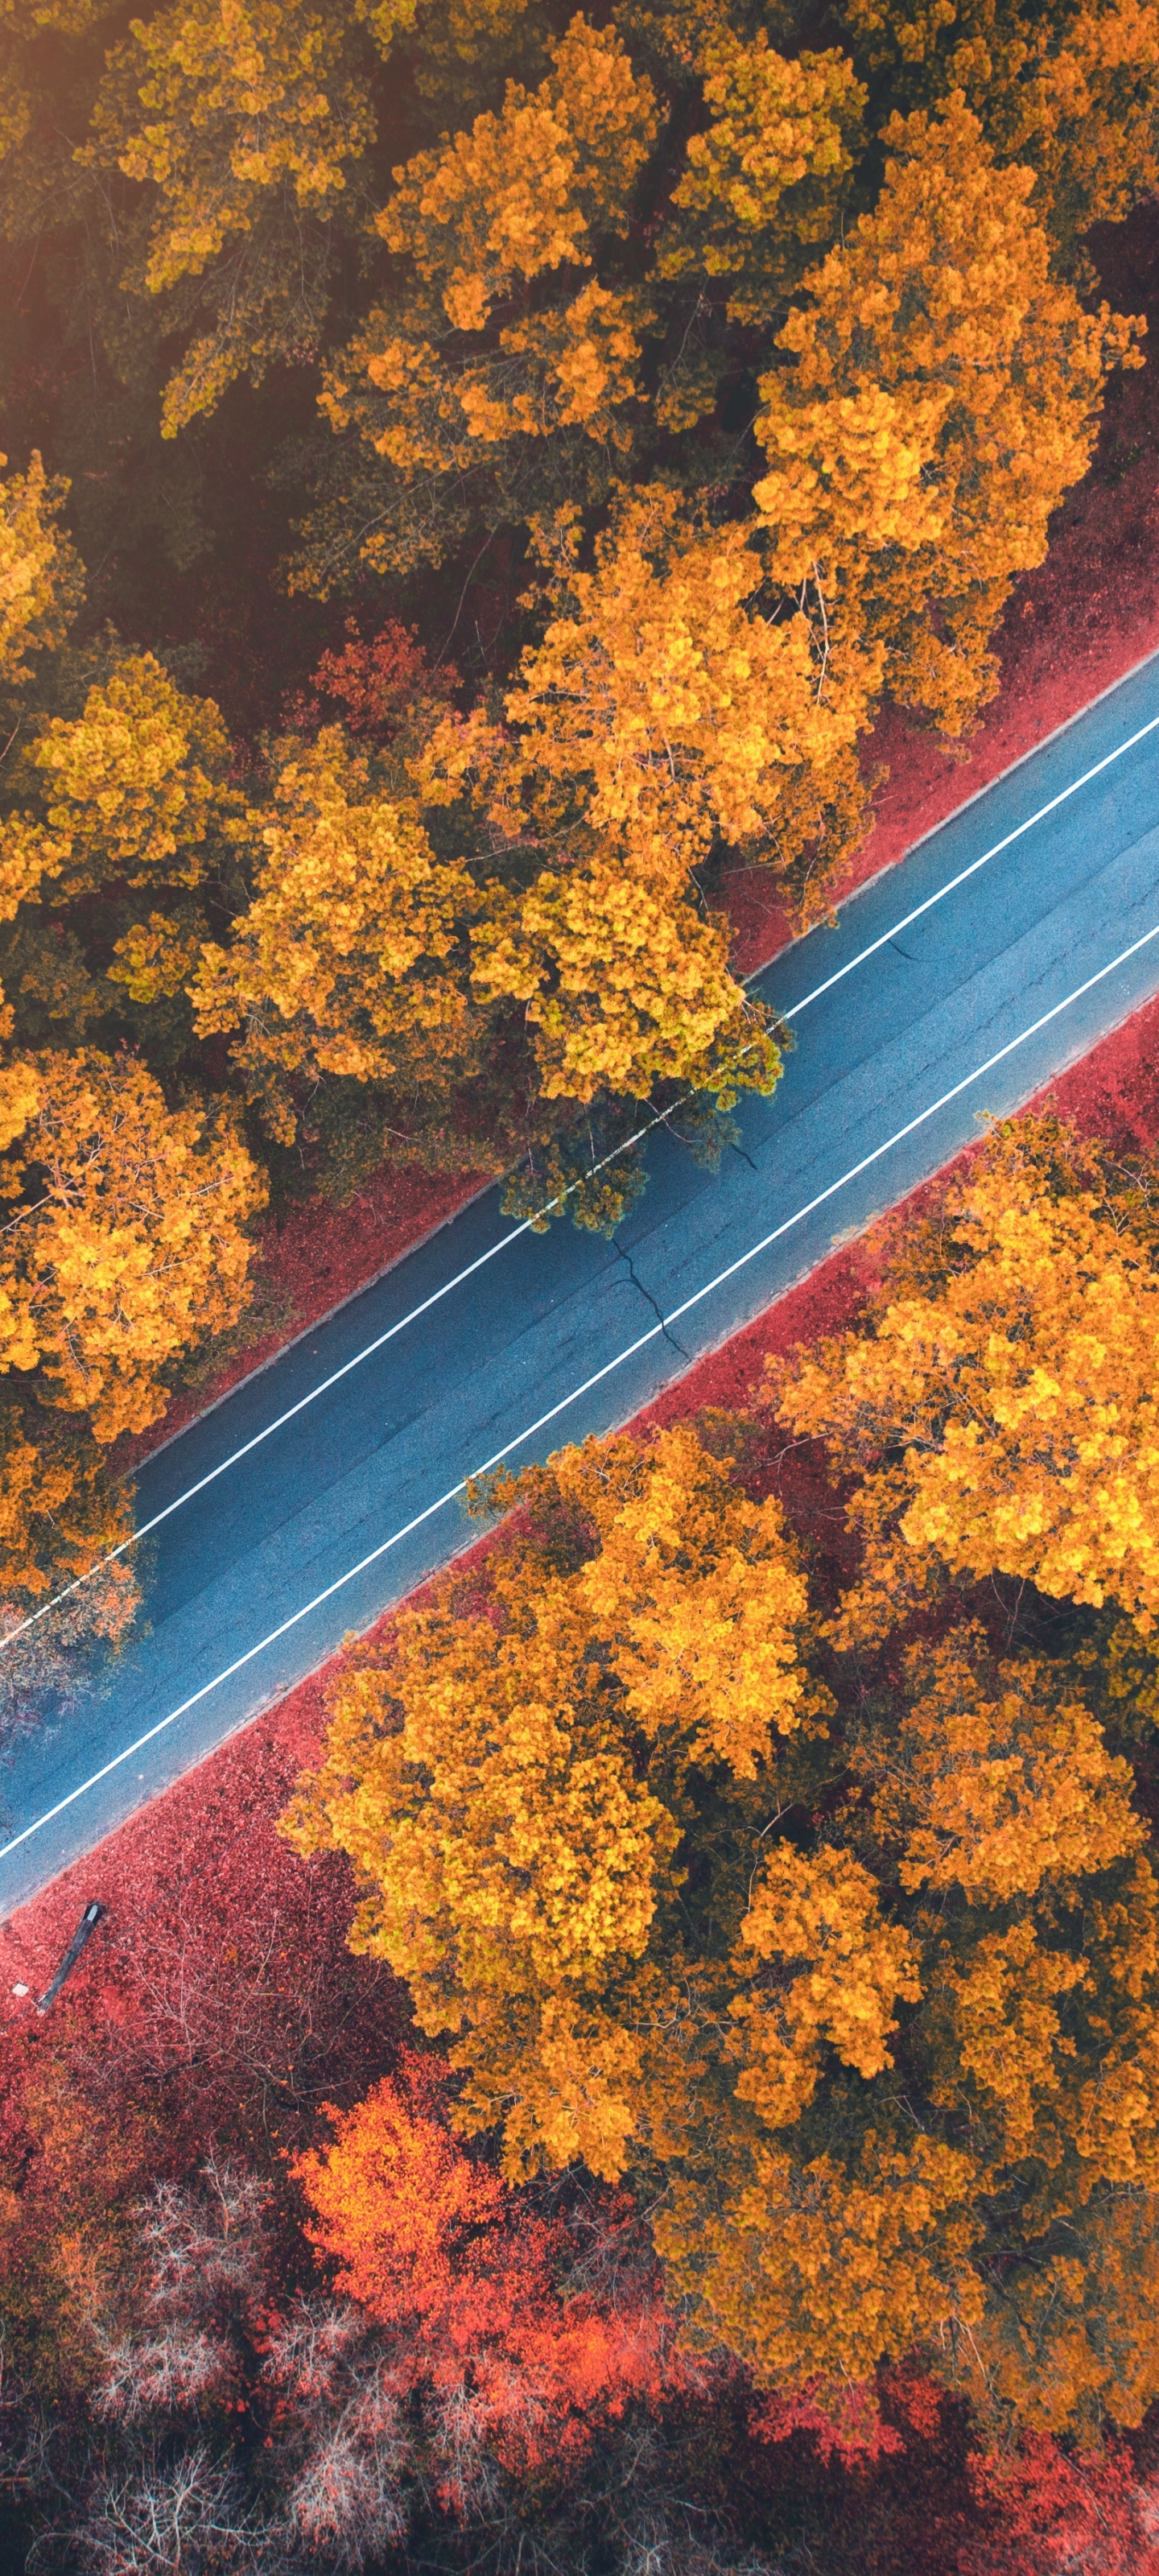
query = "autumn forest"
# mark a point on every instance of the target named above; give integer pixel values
(665, 2081)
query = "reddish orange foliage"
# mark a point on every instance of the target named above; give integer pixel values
(1055, 2512)
(374, 682)
(472, 2280)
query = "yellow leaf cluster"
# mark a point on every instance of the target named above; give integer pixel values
(521, 191)
(819, 1914)
(353, 949)
(512, 1791)
(58, 1513)
(1073, 90)
(1087, 114)
(133, 787)
(831, 2264)
(663, 712)
(522, 195)
(40, 578)
(1021, 1390)
(157, 957)
(942, 399)
(243, 117)
(624, 989)
(767, 173)
(995, 1796)
(134, 1245)
(872, 2021)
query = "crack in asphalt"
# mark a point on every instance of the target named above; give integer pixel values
(648, 1298)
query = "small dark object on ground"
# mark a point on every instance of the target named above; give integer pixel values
(88, 1923)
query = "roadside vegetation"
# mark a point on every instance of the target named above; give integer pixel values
(680, 2092)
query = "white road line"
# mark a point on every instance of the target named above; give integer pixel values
(931, 899)
(608, 1370)
(480, 1263)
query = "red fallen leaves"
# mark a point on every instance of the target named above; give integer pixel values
(482, 2294)
(1060, 2515)
(218, 1987)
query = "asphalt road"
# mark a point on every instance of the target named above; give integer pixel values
(968, 1008)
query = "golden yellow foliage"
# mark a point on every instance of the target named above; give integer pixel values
(766, 177)
(513, 1793)
(40, 577)
(624, 988)
(524, 194)
(870, 2018)
(663, 712)
(998, 1797)
(822, 1913)
(133, 787)
(1074, 90)
(1030, 2066)
(522, 191)
(58, 1515)
(830, 2264)
(133, 1243)
(1020, 1389)
(351, 959)
(243, 117)
(157, 957)
(943, 397)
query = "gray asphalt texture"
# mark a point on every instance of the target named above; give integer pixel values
(551, 1313)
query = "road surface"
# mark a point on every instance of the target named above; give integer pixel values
(966, 1002)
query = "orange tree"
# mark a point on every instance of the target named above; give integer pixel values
(1070, 91)
(941, 395)
(998, 1405)
(857, 1986)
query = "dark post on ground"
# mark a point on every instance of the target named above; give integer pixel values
(88, 1923)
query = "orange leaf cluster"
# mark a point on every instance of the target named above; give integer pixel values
(467, 2277)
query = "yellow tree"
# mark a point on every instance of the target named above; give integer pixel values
(40, 578)
(352, 957)
(764, 179)
(939, 395)
(624, 988)
(132, 788)
(517, 1837)
(131, 1243)
(60, 1513)
(499, 330)
(991, 2200)
(1074, 91)
(663, 713)
(662, 716)
(1000, 1406)
(865, 2003)
(244, 121)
